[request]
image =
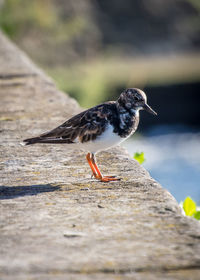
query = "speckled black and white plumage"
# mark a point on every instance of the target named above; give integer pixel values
(100, 127)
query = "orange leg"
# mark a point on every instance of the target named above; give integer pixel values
(96, 172)
(91, 164)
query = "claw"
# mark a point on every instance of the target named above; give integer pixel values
(109, 178)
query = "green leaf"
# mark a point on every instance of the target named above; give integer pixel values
(139, 157)
(197, 215)
(189, 206)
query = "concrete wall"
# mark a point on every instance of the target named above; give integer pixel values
(58, 223)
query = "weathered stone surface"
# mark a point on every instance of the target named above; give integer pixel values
(58, 223)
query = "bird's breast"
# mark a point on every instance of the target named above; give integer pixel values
(127, 124)
(103, 141)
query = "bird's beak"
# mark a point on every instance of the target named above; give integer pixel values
(147, 108)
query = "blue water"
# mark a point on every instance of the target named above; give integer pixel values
(173, 159)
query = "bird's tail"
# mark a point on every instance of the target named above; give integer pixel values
(46, 140)
(50, 137)
(31, 141)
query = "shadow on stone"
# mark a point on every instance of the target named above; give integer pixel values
(7, 192)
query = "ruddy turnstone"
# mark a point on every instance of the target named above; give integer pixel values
(100, 128)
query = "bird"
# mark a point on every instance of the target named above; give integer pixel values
(99, 128)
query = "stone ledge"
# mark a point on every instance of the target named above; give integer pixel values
(56, 221)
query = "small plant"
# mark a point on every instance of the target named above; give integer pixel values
(190, 208)
(139, 157)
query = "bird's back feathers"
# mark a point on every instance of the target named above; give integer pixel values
(86, 126)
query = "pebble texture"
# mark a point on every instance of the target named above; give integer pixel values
(56, 222)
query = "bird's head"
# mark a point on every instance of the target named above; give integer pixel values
(134, 99)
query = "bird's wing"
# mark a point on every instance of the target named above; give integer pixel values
(83, 127)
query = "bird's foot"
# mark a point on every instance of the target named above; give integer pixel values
(108, 178)
(96, 172)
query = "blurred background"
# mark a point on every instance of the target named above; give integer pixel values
(94, 49)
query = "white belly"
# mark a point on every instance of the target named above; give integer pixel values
(105, 141)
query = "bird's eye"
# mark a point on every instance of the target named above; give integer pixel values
(137, 98)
